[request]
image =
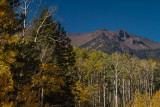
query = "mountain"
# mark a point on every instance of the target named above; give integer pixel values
(121, 41)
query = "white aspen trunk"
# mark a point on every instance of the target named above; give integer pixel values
(42, 95)
(24, 21)
(104, 95)
(107, 98)
(149, 90)
(88, 81)
(35, 39)
(129, 95)
(91, 79)
(95, 99)
(25, 14)
(110, 97)
(116, 84)
(91, 84)
(116, 93)
(98, 92)
(130, 89)
(138, 86)
(146, 87)
(104, 91)
(99, 98)
(152, 83)
(123, 93)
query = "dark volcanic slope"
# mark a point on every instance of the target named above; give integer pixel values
(120, 37)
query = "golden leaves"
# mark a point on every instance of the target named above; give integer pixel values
(145, 101)
(49, 68)
(7, 16)
(6, 58)
(28, 96)
(84, 93)
(49, 77)
(6, 86)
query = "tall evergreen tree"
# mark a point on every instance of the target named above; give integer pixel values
(54, 48)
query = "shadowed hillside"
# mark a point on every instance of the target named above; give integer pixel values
(119, 40)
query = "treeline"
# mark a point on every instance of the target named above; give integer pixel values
(39, 67)
(104, 80)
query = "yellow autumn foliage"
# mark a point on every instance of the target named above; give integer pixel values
(49, 78)
(83, 94)
(6, 86)
(28, 96)
(145, 101)
(7, 55)
(7, 16)
(6, 58)
(155, 101)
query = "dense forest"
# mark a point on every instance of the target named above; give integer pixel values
(39, 67)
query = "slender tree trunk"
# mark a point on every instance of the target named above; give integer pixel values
(91, 79)
(152, 83)
(24, 21)
(123, 93)
(104, 91)
(116, 83)
(93, 101)
(99, 98)
(138, 86)
(42, 96)
(146, 87)
(110, 98)
(116, 93)
(129, 90)
(104, 95)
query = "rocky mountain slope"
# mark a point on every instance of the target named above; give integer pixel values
(119, 40)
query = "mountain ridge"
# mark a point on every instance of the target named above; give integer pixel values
(125, 38)
(112, 41)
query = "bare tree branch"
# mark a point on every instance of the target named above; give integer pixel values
(51, 11)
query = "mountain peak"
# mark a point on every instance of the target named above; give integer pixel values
(103, 29)
(120, 37)
(119, 30)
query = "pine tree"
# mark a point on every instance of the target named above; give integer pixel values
(53, 47)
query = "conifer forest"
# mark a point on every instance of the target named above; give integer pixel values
(40, 68)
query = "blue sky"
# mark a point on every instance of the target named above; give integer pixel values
(139, 17)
